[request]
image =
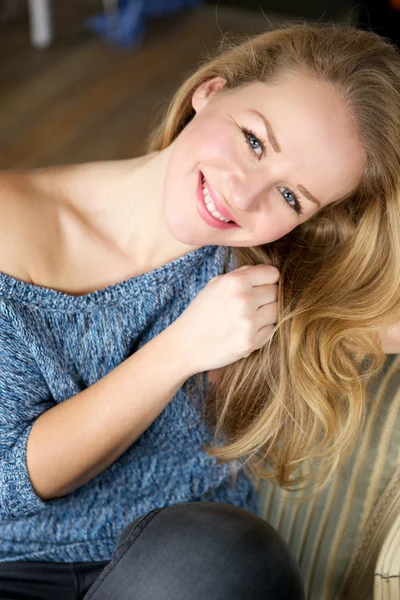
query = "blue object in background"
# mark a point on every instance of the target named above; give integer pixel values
(126, 25)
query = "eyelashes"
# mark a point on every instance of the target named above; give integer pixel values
(296, 206)
(249, 134)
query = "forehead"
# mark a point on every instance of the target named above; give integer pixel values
(316, 131)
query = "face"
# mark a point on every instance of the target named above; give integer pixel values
(269, 155)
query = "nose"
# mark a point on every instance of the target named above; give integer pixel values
(246, 191)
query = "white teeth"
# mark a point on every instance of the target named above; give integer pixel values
(210, 206)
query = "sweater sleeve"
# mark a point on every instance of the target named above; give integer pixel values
(24, 395)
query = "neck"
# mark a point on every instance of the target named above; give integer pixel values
(137, 207)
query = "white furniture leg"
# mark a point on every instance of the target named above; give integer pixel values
(40, 23)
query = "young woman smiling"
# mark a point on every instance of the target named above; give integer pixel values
(219, 303)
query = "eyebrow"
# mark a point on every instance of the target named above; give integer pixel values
(271, 136)
(275, 145)
(308, 195)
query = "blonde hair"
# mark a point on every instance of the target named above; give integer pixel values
(303, 395)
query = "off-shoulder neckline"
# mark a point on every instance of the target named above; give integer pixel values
(25, 292)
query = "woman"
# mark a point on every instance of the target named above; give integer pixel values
(279, 159)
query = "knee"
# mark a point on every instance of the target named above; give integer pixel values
(252, 548)
(230, 547)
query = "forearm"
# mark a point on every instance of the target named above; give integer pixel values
(76, 440)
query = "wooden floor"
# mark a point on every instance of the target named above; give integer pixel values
(83, 100)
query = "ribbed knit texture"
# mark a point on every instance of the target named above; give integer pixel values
(55, 345)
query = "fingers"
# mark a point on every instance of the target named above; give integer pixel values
(267, 315)
(262, 336)
(259, 274)
(264, 294)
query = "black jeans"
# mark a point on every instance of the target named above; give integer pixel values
(190, 551)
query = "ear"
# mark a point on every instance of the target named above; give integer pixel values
(206, 90)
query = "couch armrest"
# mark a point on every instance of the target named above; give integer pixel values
(387, 570)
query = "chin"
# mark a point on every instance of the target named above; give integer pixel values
(185, 237)
(181, 231)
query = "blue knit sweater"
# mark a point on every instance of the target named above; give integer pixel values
(54, 345)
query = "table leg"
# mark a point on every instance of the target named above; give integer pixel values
(40, 23)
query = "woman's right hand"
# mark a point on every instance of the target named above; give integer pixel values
(232, 316)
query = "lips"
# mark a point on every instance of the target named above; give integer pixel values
(218, 202)
(205, 213)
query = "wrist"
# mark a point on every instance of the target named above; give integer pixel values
(178, 351)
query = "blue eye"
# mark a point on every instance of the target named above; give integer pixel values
(255, 145)
(290, 199)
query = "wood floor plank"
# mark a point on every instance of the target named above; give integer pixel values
(83, 99)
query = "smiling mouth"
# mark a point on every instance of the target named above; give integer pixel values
(209, 202)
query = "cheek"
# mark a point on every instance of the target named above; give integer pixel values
(272, 226)
(211, 141)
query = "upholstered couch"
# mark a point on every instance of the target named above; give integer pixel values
(347, 539)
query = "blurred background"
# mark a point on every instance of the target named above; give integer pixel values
(84, 80)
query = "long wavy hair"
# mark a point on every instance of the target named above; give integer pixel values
(303, 395)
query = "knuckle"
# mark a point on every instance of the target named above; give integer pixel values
(274, 309)
(240, 291)
(242, 268)
(272, 295)
(273, 271)
(270, 311)
(235, 283)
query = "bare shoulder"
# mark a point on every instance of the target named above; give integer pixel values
(48, 221)
(22, 221)
(14, 195)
